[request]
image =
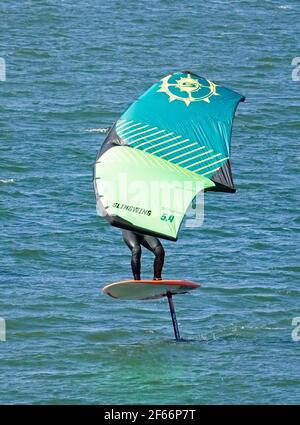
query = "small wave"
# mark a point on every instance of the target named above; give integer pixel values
(34, 253)
(97, 130)
(284, 7)
(289, 268)
(7, 181)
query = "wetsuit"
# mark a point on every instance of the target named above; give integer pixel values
(134, 241)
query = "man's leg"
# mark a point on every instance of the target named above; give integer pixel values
(133, 244)
(154, 245)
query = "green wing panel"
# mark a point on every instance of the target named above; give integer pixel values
(143, 192)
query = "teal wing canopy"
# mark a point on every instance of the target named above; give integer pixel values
(184, 121)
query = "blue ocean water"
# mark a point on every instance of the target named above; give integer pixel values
(71, 69)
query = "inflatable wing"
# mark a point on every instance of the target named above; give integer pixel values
(171, 143)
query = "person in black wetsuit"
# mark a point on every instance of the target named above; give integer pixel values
(134, 241)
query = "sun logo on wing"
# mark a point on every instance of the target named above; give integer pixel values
(188, 89)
